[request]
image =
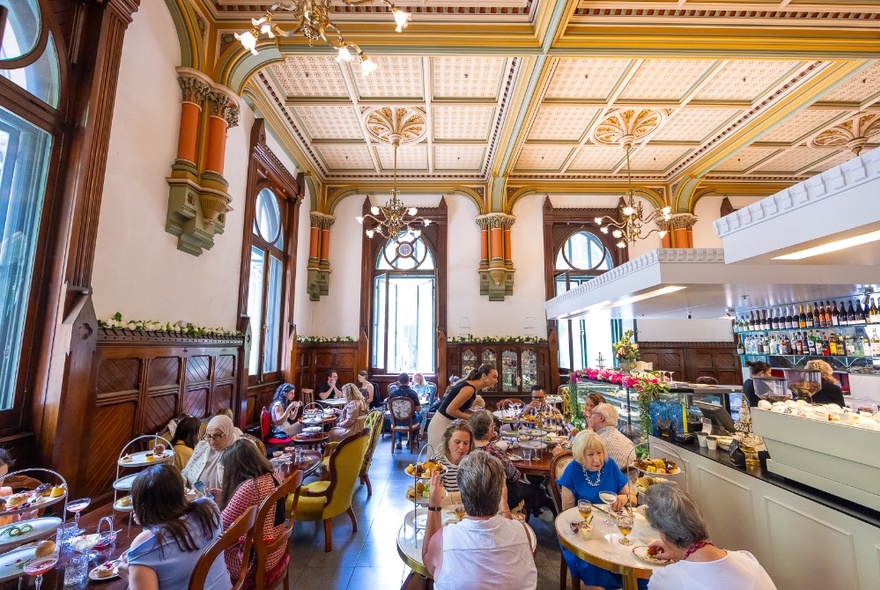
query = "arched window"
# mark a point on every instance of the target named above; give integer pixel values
(404, 306)
(581, 258)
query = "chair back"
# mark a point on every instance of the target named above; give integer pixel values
(374, 425)
(242, 527)
(431, 389)
(259, 444)
(377, 396)
(263, 548)
(706, 380)
(506, 403)
(344, 465)
(557, 467)
(402, 410)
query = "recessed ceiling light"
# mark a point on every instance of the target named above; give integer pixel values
(655, 293)
(832, 246)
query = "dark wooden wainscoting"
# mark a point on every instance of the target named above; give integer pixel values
(690, 360)
(143, 380)
(312, 361)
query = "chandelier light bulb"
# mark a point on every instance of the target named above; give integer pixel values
(402, 19)
(621, 244)
(598, 221)
(604, 229)
(662, 234)
(360, 219)
(374, 210)
(344, 54)
(368, 66)
(412, 211)
(415, 232)
(370, 233)
(427, 222)
(666, 210)
(628, 211)
(617, 233)
(248, 40)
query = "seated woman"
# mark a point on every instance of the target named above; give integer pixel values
(457, 441)
(176, 532)
(353, 416)
(698, 563)
(284, 410)
(591, 472)
(368, 392)
(483, 425)
(248, 480)
(204, 465)
(487, 549)
(185, 439)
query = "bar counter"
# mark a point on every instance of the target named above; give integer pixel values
(805, 539)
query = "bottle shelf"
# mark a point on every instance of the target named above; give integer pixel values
(844, 329)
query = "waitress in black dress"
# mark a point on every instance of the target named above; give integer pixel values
(458, 400)
(757, 369)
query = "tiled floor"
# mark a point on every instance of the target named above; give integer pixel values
(368, 558)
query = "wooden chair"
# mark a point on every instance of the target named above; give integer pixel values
(557, 467)
(326, 499)
(374, 425)
(403, 409)
(259, 444)
(242, 527)
(263, 548)
(506, 402)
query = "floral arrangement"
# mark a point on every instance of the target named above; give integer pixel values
(649, 387)
(493, 339)
(178, 328)
(625, 350)
(318, 339)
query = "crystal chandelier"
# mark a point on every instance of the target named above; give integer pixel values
(313, 21)
(394, 220)
(630, 225)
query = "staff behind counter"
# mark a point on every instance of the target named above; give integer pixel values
(830, 392)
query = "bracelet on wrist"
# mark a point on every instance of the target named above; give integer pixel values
(434, 508)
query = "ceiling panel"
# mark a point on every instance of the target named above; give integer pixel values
(745, 159)
(694, 124)
(462, 122)
(653, 158)
(585, 79)
(467, 77)
(459, 157)
(542, 157)
(745, 80)
(861, 87)
(330, 122)
(800, 125)
(311, 76)
(409, 157)
(561, 123)
(345, 156)
(795, 159)
(665, 79)
(397, 76)
(839, 158)
(597, 158)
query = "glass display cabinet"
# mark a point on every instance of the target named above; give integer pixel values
(520, 365)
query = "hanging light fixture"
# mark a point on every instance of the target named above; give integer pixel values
(313, 22)
(394, 220)
(629, 226)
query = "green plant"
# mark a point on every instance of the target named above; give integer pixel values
(184, 329)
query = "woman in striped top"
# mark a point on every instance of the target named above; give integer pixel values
(458, 441)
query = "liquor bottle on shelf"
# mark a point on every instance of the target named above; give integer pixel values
(832, 344)
(816, 320)
(861, 317)
(789, 320)
(874, 313)
(835, 315)
(774, 320)
(850, 315)
(809, 317)
(866, 346)
(753, 325)
(740, 348)
(802, 318)
(875, 343)
(785, 346)
(826, 345)
(822, 323)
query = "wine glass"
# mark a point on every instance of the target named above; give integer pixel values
(625, 526)
(39, 566)
(609, 498)
(460, 512)
(585, 508)
(75, 507)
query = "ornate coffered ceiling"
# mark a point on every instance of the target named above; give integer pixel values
(542, 92)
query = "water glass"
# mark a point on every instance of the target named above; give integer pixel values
(297, 455)
(527, 454)
(77, 569)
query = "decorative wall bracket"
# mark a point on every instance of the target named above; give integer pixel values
(318, 278)
(496, 266)
(198, 200)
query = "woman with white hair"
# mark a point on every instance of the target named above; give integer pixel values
(591, 472)
(487, 549)
(684, 539)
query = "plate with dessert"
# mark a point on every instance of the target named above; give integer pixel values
(28, 530)
(123, 484)
(11, 563)
(650, 555)
(44, 495)
(147, 457)
(123, 504)
(106, 571)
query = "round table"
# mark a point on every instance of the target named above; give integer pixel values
(410, 539)
(312, 442)
(604, 549)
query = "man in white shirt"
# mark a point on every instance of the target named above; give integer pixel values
(603, 420)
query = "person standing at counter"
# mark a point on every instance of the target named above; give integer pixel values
(756, 369)
(458, 400)
(697, 563)
(831, 393)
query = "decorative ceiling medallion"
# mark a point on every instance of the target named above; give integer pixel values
(396, 124)
(852, 134)
(627, 127)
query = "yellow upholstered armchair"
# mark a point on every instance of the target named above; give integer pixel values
(326, 499)
(374, 425)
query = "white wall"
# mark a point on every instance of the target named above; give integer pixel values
(138, 270)
(685, 331)
(707, 210)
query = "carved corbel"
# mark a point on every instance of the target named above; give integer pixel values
(318, 279)
(496, 269)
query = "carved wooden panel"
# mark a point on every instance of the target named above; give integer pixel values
(690, 360)
(224, 367)
(195, 402)
(158, 411)
(118, 375)
(112, 428)
(164, 371)
(198, 369)
(222, 398)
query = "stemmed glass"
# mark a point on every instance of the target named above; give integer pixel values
(75, 507)
(609, 498)
(625, 526)
(585, 508)
(39, 566)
